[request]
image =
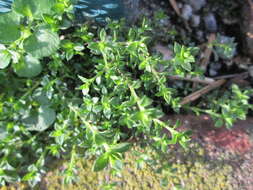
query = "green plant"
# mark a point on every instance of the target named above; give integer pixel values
(230, 107)
(225, 47)
(30, 33)
(79, 91)
(191, 171)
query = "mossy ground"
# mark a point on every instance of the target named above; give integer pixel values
(185, 170)
(204, 166)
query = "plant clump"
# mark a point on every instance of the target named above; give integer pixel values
(85, 91)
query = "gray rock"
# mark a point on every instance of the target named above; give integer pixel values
(213, 73)
(197, 4)
(187, 12)
(165, 22)
(195, 20)
(200, 35)
(132, 9)
(251, 71)
(214, 68)
(210, 22)
(180, 5)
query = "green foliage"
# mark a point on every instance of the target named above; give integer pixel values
(224, 47)
(29, 30)
(42, 43)
(5, 58)
(9, 27)
(101, 162)
(230, 107)
(40, 120)
(74, 92)
(184, 57)
(34, 9)
(28, 67)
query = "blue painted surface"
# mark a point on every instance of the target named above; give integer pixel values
(94, 9)
(5, 5)
(99, 9)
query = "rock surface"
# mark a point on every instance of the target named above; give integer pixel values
(187, 12)
(247, 27)
(197, 4)
(210, 22)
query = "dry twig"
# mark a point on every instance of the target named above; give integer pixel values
(178, 12)
(240, 76)
(205, 80)
(208, 51)
(175, 7)
(201, 92)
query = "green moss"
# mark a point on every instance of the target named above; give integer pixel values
(191, 170)
(191, 173)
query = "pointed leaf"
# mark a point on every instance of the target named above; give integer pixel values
(99, 139)
(187, 66)
(122, 147)
(101, 162)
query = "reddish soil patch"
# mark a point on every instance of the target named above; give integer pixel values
(236, 139)
(231, 146)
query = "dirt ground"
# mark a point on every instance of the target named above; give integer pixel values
(231, 146)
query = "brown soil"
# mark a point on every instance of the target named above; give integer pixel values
(233, 146)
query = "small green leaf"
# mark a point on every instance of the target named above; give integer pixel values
(101, 162)
(85, 89)
(42, 43)
(229, 122)
(98, 80)
(99, 139)
(59, 7)
(29, 67)
(143, 116)
(5, 59)
(83, 79)
(78, 47)
(145, 101)
(219, 123)
(49, 19)
(102, 35)
(29, 176)
(122, 147)
(93, 46)
(143, 65)
(177, 48)
(187, 66)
